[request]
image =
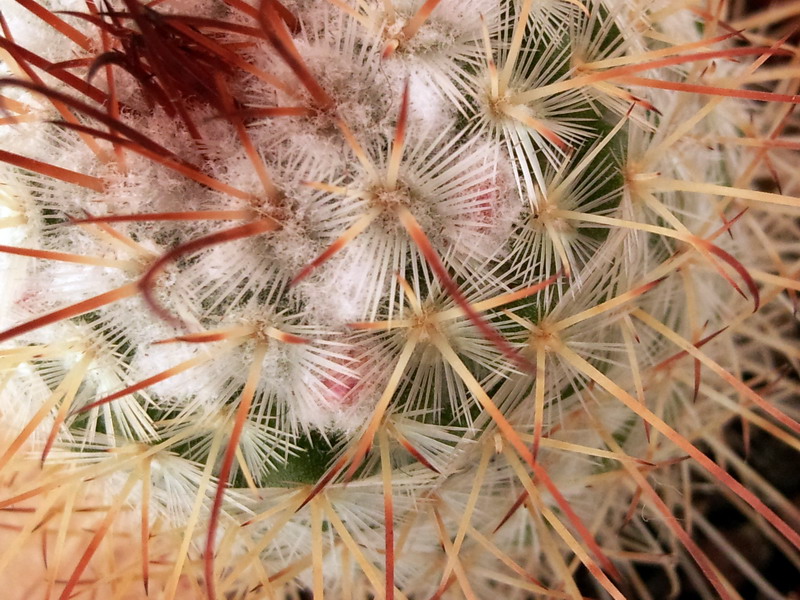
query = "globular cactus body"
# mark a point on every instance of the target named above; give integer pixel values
(392, 299)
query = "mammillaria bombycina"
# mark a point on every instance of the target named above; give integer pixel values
(395, 299)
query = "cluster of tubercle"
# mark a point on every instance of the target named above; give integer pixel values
(329, 281)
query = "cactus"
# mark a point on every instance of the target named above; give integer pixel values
(393, 299)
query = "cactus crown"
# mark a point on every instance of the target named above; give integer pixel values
(390, 299)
